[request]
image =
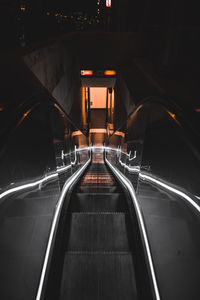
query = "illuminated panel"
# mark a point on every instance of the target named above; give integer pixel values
(86, 72)
(122, 134)
(108, 3)
(98, 97)
(110, 73)
(76, 133)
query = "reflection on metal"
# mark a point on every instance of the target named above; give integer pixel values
(27, 113)
(173, 117)
(65, 189)
(130, 188)
(120, 133)
(76, 133)
(56, 106)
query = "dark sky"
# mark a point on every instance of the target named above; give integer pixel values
(87, 5)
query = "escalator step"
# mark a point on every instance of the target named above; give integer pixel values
(113, 202)
(97, 232)
(98, 276)
(99, 189)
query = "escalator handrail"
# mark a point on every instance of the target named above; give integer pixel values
(176, 114)
(185, 122)
(128, 185)
(46, 264)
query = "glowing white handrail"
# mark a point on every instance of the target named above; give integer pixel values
(66, 187)
(159, 182)
(170, 188)
(47, 178)
(134, 157)
(130, 188)
(28, 185)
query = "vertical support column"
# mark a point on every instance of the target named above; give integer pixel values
(106, 107)
(110, 92)
(87, 101)
(89, 105)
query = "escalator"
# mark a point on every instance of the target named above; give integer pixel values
(98, 261)
(98, 255)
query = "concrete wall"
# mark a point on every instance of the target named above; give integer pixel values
(56, 67)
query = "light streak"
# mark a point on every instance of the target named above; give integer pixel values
(63, 169)
(171, 189)
(158, 181)
(66, 187)
(135, 155)
(28, 185)
(130, 188)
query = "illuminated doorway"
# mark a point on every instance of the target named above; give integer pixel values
(98, 97)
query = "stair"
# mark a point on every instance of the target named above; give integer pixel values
(98, 263)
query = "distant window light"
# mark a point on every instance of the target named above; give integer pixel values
(22, 7)
(108, 3)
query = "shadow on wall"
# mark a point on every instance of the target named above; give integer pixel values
(56, 67)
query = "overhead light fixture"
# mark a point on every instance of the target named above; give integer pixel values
(108, 3)
(110, 73)
(86, 72)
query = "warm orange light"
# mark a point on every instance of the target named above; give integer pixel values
(120, 133)
(22, 8)
(86, 72)
(197, 110)
(76, 133)
(110, 73)
(108, 3)
(48, 13)
(1, 108)
(172, 115)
